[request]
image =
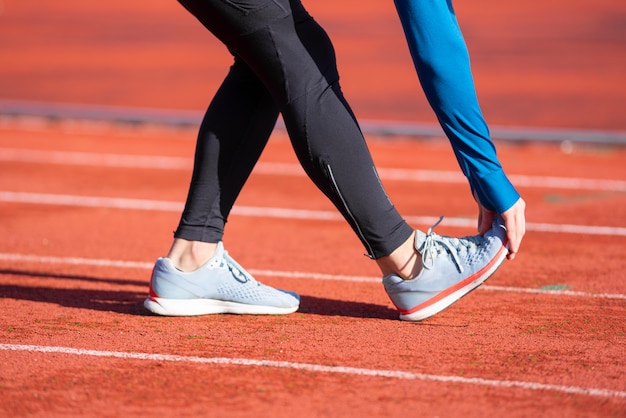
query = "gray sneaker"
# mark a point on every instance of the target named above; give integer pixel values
(219, 286)
(452, 267)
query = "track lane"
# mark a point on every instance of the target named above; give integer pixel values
(503, 335)
(564, 72)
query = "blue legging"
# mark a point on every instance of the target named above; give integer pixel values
(442, 62)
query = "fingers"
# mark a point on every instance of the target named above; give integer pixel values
(515, 221)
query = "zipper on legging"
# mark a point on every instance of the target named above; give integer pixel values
(331, 177)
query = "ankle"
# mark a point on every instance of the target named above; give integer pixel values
(190, 255)
(405, 261)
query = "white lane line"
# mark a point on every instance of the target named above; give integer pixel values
(29, 258)
(182, 163)
(76, 261)
(319, 368)
(95, 159)
(281, 213)
(89, 201)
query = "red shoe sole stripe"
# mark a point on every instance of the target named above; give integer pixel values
(443, 294)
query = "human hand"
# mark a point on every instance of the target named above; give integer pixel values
(514, 220)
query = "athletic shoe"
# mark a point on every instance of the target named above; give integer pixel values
(219, 286)
(452, 267)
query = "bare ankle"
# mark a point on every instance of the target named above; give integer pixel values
(405, 261)
(190, 255)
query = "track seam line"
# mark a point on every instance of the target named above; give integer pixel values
(269, 212)
(29, 258)
(317, 368)
(89, 113)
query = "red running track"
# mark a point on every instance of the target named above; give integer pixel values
(87, 207)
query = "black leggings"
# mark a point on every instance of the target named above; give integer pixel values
(284, 63)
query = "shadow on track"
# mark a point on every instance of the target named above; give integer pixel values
(130, 302)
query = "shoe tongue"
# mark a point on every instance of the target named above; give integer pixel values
(219, 251)
(420, 237)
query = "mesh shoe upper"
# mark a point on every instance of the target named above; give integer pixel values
(449, 265)
(221, 278)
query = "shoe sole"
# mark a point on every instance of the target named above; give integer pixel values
(449, 296)
(197, 307)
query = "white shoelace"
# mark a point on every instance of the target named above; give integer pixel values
(430, 247)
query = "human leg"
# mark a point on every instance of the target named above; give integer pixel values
(294, 60)
(198, 276)
(233, 133)
(232, 136)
